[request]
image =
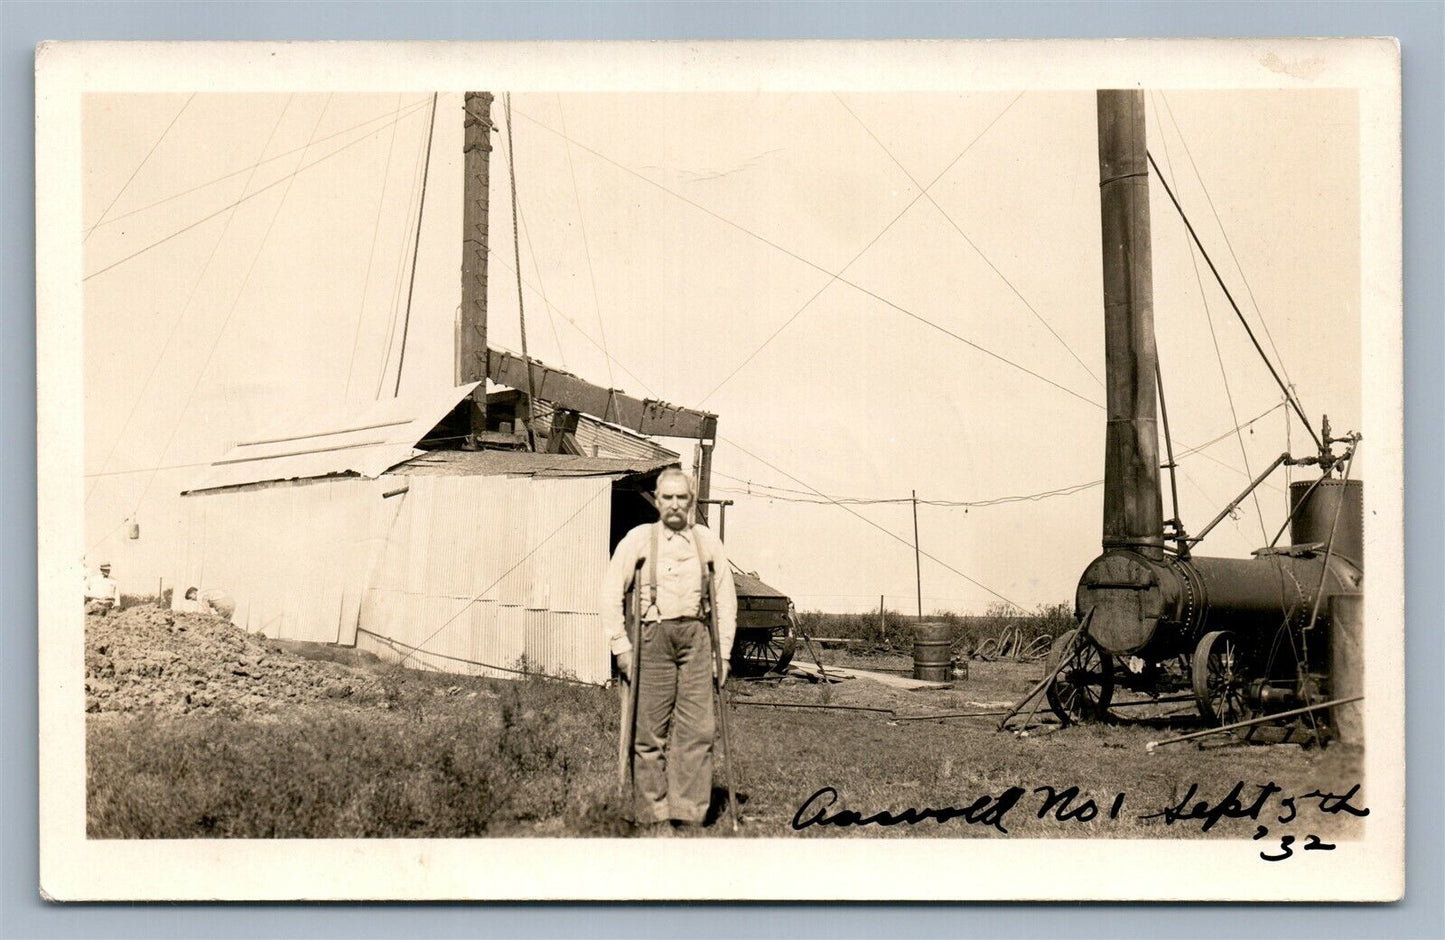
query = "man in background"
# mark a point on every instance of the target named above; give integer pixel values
(672, 563)
(191, 603)
(102, 595)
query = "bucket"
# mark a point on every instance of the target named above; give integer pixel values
(932, 652)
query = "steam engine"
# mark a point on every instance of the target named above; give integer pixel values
(1247, 634)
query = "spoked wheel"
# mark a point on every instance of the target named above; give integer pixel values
(758, 651)
(1082, 689)
(1215, 673)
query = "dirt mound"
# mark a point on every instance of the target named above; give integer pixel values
(148, 658)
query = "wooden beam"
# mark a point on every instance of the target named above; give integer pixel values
(565, 390)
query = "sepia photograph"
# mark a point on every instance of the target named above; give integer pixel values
(771, 450)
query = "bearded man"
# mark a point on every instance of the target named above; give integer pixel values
(674, 563)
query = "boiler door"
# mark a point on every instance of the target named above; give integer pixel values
(1123, 590)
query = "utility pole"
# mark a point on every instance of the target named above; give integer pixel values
(471, 327)
(882, 627)
(917, 567)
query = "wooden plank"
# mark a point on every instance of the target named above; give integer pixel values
(906, 683)
(836, 673)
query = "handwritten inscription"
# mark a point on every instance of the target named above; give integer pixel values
(1261, 803)
(1064, 804)
(1239, 803)
(986, 810)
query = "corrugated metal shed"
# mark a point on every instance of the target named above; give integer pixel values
(365, 443)
(484, 573)
(481, 562)
(523, 463)
(492, 575)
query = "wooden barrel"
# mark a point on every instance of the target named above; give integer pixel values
(932, 652)
(1347, 665)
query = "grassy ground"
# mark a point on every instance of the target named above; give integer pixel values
(893, 764)
(438, 756)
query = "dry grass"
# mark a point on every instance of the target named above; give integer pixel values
(479, 758)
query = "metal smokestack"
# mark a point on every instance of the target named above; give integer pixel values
(1133, 513)
(471, 330)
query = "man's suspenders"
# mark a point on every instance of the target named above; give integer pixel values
(703, 561)
(651, 605)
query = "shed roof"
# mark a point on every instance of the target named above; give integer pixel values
(365, 443)
(523, 463)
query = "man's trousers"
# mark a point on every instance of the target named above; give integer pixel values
(675, 722)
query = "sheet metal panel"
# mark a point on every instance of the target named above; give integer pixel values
(288, 555)
(366, 442)
(500, 550)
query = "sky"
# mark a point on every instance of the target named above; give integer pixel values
(878, 294)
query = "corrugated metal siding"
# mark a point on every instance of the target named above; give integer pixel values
(289, 555)
(486, 575)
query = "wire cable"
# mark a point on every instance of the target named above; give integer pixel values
(370, 257)
(541, 289)
(812, 264)
(1225, 235)
(573, 323)
(923, 190)
(206, 218)
(144, 160)
(185, 308)
(1234, 306)
(962, 234)
(517, 263)
(752, 485)
(398, 114)
(414, 193)
(586, 248)
(885, 531)
(1209, 318)
(416, 247)
(240, 292)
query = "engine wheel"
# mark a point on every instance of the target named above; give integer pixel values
(1083, 687)
(1218, 680)
(758, 651)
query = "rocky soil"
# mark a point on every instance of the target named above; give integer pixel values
(147, 658)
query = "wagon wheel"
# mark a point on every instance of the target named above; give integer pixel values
(1082, 688)
(1216, 674)
(758, 651)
